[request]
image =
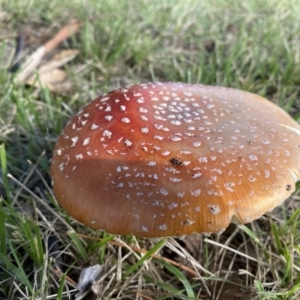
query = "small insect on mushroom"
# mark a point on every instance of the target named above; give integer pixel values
(169, 159)
(175, 162)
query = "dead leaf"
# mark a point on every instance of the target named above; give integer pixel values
(58, 60)
(48, 79)
(54, 76)
(51, 80)
(49, 75)
(34, 60)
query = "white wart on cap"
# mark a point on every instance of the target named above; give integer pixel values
(169, 159)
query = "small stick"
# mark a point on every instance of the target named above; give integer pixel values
(63, 34)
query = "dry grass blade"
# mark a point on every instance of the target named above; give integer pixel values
(248, 45)
(234, 251)
(69, 279)
(142, 251)
(30, 64)
(40, 201)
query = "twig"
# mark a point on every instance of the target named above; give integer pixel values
(63, 34)
(69, 279)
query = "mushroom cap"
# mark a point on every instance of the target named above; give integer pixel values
(169, 159)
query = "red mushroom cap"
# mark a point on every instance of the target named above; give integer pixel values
(169, 159)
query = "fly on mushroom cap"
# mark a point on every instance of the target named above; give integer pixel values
(169, 159)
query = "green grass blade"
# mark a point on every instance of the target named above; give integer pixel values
(33, 244)
(4, 170)
(61, 287)
(253, 236)
(78, 244)
(172, 290)
(16, 270)
(146, 256)
(179, 275)
(3, 246)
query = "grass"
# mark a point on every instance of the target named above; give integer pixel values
(250, 45)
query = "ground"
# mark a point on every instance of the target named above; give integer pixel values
(249, 45)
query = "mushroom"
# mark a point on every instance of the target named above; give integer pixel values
(170, 159)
